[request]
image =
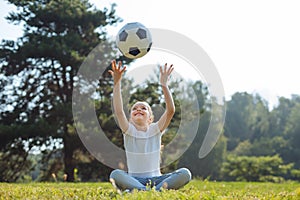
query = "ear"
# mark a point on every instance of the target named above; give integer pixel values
(151, 119)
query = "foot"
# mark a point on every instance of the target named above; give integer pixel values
(115, 186)
(165, 185)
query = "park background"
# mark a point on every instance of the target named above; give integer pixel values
(260, 136)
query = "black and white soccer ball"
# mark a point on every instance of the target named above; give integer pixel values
(134, 40)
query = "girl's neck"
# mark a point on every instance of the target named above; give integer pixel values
(141, 126)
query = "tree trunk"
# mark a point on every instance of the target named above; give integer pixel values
(69, 161)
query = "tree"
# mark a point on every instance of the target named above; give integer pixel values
(284, 120)
(264, 146)
(250, 168)
(41, 69)
(279, 116)
(247, 117)
(292, 135)
(211, 164)
(13, 162)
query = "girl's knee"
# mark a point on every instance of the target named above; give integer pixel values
(116, 173)
(185, 173)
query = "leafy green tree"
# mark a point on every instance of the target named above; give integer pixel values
(279, 116)
(13, 163)
(247, 117)
(211, 164)
(41, 70)
(251, 168)
(265, 146)
(292, 134)
(284, 121)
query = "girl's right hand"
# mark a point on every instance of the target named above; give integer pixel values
(117, 71)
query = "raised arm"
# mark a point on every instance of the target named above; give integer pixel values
(166, 118)
(117, 72)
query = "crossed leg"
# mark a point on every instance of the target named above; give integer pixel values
(173, 180)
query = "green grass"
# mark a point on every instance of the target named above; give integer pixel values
(194, 190)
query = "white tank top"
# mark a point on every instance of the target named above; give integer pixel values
(143, 151)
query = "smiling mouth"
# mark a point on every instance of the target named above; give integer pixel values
(138, 114)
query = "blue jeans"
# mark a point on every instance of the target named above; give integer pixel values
(173, 180)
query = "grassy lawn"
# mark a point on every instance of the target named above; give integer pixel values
(194, 190)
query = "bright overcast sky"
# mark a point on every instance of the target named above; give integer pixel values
(255, 45)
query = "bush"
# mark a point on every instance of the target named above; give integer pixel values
(251, 168)
(270, 178)
(295, 173)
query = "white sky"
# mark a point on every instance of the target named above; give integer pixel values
(255, 44)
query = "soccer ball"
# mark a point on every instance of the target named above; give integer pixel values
(134, 40)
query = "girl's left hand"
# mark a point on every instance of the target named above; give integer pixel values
(165, 73)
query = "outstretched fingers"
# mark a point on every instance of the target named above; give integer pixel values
(165, 73)
(116, 68)
(166, 70)
(119, 65)
(170, 69)
(113, 65)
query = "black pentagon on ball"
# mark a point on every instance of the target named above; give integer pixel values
(141, 33)
(123, 36)
(134, 51)
(149, 47)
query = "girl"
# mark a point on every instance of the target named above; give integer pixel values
(142, 139)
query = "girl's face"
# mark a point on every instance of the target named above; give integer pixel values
(141, 113)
